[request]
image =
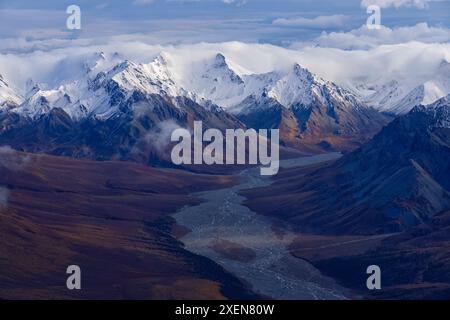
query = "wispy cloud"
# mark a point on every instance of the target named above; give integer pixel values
(11, 159)
(364, 38)
(142, 2)
(421, 4)
(319, 22)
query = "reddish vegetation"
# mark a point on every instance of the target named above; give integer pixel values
(110, 218)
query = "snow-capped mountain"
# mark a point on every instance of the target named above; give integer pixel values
(298, 87)
(9, 98)
(426, 93)
(100, 93)
(382, 96)
(214, 80)
(399, 98)
(310, 112)
(121, 110)
(308, 109)
(438, 112)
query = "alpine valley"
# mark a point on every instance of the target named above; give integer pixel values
(86, 178)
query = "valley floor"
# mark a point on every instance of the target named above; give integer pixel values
(144, 233)
(247, 245)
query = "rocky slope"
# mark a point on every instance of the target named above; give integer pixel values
(397, 180)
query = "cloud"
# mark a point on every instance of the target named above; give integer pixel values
(421, 4)
(160, 136)
(237, 2)
(364, 38)
(142, 2)
(320, 22)
(11, 159)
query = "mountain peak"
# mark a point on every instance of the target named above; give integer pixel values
(295, 88)
(94, 60)
(8, 96)
(101, 55)
(124, 65)
(2, 82)
(437, 114)
(302, 72)
(220, 61)
(162, 59)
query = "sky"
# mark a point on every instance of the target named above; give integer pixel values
(280, 22)
(328, 37)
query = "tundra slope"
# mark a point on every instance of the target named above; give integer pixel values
(397, 180)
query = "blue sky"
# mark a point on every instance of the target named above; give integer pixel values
(177, 21)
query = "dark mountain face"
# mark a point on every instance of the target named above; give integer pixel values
(139, 132)
(267, 113)
(321, 126)
(397, 180)
(414, 263)
(338, 125)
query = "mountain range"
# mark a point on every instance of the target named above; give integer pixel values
(126, 106)
(398, 97)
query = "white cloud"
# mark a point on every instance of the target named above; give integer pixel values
(364, 38)
(421, 4)
(320, 22)
(142, 2)
(237, 2)
(159, 137)
(11, 159)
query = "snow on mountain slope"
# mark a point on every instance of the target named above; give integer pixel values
(104, 81)
(434, 90)
(440, 112)
(152, 78)
(301, 88)
(99, 92)
(215, 80)
(399, 97)
(8, 96)
(297, 87)
(382, 96)
(426, 93)
(439, 86)
(308, 110)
